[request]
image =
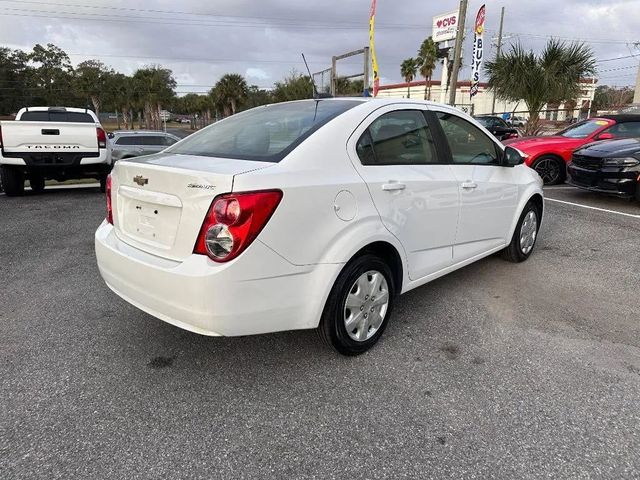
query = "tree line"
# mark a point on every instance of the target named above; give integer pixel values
(45, 76)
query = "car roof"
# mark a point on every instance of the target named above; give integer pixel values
(622, 118)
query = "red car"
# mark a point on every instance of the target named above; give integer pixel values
(549, 155)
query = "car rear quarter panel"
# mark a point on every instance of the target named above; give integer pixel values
(306, 228)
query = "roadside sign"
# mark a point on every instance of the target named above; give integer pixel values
(445, 26)
(164, 115)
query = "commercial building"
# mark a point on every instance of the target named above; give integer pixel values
(482, 102)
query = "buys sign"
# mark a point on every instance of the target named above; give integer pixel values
(445, 27)
(478, 50)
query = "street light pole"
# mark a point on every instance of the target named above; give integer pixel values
(457, 52)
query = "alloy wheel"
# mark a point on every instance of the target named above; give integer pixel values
(549, 170)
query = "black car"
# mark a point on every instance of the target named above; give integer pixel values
(610, 166)
(498, 127)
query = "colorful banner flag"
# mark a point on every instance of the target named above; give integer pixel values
(478, 51)
(372, 50)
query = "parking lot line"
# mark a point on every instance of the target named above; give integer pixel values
(592, 208)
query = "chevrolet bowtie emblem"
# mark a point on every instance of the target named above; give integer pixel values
(140, 180)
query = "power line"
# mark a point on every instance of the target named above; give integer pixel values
(174, 12)
(188, 22)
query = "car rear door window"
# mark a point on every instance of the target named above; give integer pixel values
(468, 144)
(151, 140)
(397, 138)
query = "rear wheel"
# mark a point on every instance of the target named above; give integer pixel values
(103, 184)
(359, 306)
(12, 180)
(37, 183)
(524, 238)
(552, 170)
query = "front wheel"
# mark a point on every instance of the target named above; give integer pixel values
(524, 238)
(552, 170)
(359, 306)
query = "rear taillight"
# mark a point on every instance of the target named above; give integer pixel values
(102, 138)
(109, 205)
(233, 221)
(511, 135)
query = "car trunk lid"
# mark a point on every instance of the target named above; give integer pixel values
(160, 202)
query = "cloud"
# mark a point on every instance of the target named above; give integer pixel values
(264, 39)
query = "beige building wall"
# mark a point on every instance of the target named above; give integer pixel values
(481, 104)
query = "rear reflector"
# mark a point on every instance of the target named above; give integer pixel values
(109, 205)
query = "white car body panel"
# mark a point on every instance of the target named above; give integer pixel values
(332, 207)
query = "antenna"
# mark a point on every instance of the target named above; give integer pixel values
(316, 94)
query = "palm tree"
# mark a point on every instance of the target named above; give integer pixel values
(229, 92)
(408, 69)
(427, 58)
(551, 77)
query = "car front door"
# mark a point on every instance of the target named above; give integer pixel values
(488, 192)
(411, 185)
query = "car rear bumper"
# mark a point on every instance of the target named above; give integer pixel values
(259, 292)
(612, 180)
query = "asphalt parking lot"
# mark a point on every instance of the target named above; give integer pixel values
(495, 371)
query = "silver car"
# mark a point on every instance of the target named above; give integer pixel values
(133, 143)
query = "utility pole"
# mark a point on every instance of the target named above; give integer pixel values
(457, 51)
(493, 103)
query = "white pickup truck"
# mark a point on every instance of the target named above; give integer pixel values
(52, 143)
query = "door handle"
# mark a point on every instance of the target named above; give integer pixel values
(469, 185)
(389, 187)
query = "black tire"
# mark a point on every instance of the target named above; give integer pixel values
(638, 193)
(36, 183)
(514, 252)
(332, 328)
(552, 169)
(103, 184)
(12, 181)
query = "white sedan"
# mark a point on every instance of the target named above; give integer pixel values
(312, 214)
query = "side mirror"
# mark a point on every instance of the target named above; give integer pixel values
(512, 157)
(605, 136)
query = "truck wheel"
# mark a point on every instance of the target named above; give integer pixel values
(37, 183)
(12, 181)
(103, 184)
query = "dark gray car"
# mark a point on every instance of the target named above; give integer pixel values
(133, 143)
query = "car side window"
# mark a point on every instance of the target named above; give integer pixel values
(126, 141)
(397, 138)
(468, 144)
(626, 129)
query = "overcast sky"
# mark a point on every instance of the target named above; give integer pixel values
(262, 39)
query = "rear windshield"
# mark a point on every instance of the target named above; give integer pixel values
(266, 133)
(584, 129)
(45, 116)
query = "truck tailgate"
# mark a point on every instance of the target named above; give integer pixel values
(55, 137)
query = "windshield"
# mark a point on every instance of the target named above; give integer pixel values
(266, 133)
(584, 129)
